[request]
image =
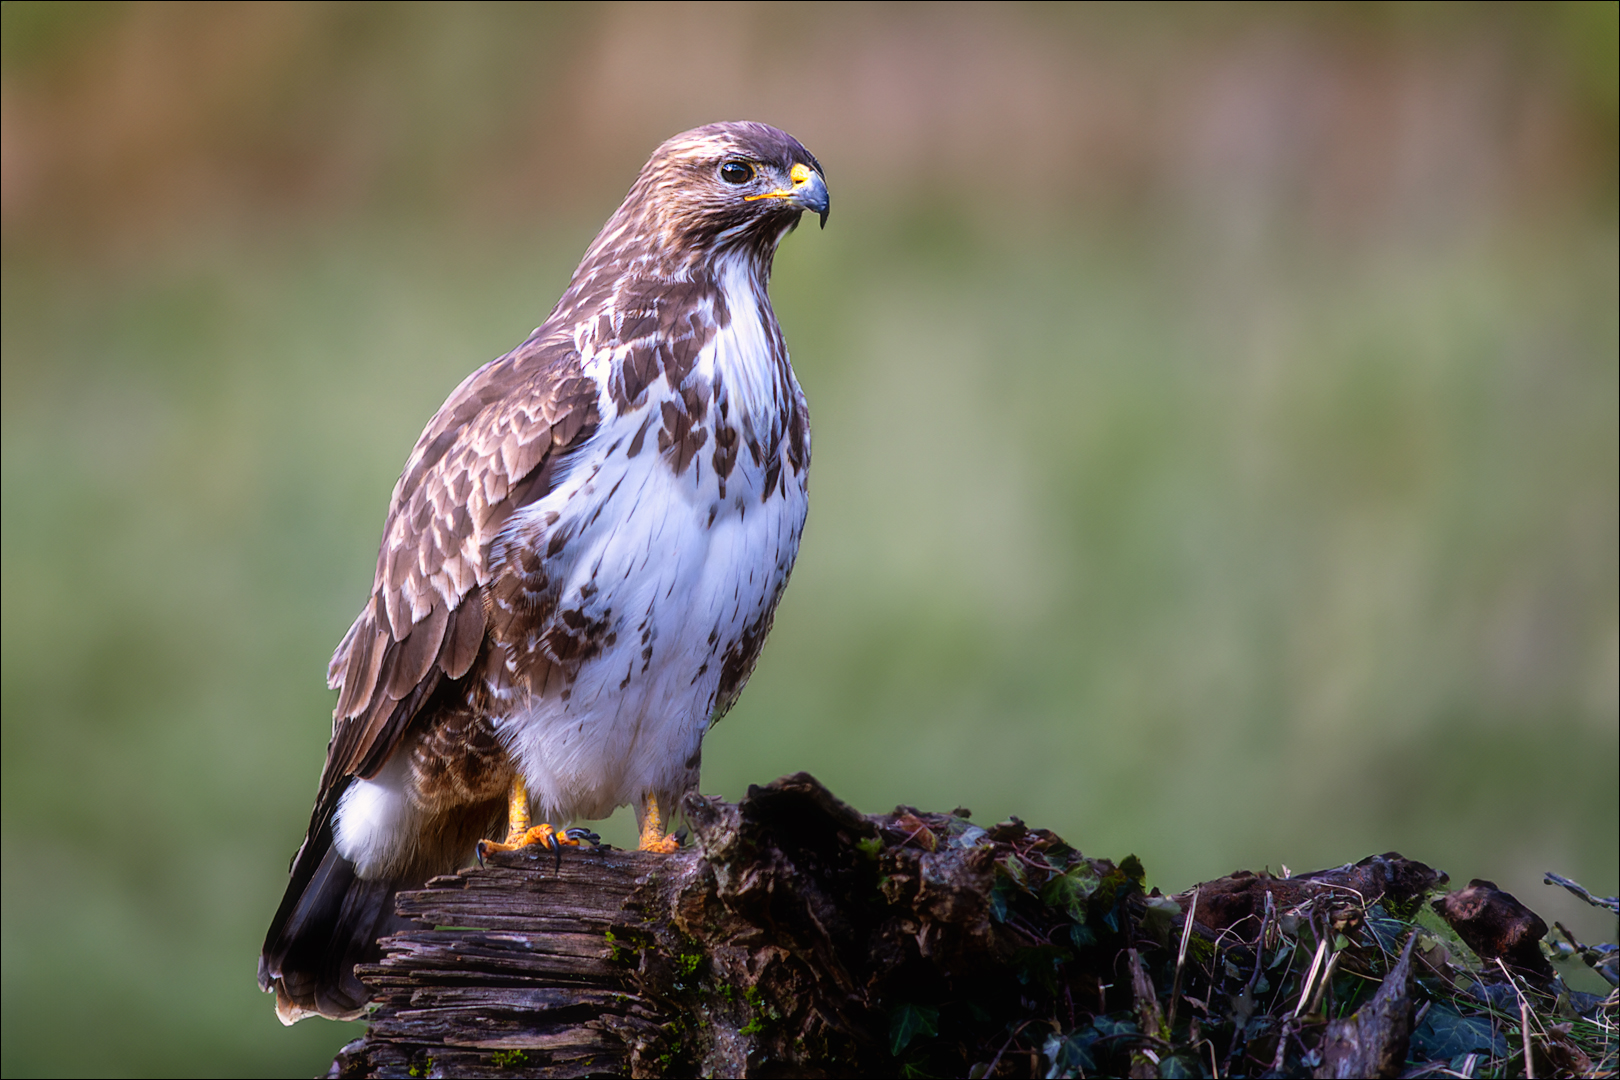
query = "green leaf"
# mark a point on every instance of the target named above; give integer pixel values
(1159, 917)
(908, 1022)
(1177, 1067)
(1039, 964)
(964, 834)
(1013, 867)
(999, 894)
(1069, 890)
(1069, 1055)
(1387, 932)
(1108, 1025)
(1446, 1034)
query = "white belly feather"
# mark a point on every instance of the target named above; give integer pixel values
(675, 588)
(678, 571)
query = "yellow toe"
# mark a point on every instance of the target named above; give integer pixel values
(652, 830)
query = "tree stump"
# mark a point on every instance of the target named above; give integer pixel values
(795, 936)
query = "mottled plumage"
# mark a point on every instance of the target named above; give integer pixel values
(581, 559)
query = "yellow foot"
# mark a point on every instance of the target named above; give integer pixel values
(544, 835)
(519, 834)
(652, 831)
(540, 834)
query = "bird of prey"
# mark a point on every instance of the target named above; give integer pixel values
(580, 564)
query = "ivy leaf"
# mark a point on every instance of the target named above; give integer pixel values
(1159, 917)
(1177, 1067)
(1070, 890)
(1039, 964)
(1446, 1034)
(908, 1022)
(1108, 1025)
(1013, 867)
(964, 835)
(999, 892)
(1387, 932)
(1069, 1055)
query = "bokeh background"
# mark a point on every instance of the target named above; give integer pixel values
(1215, 418)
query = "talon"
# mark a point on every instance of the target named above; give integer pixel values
(547, 836)
(519, 834)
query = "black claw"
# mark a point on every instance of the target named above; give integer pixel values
(581, 833)
(478, 851)
(551, 842)
(680, 837)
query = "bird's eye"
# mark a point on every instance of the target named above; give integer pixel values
(736, 172)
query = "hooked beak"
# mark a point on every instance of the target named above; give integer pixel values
(809, 192)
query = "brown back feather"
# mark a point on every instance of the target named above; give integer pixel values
(490, 450)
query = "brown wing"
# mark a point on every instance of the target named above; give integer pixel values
(489, 450)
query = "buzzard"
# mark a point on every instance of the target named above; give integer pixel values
(580, 563)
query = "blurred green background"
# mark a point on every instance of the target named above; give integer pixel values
(1215, 433)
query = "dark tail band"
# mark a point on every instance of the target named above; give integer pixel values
(329, 921)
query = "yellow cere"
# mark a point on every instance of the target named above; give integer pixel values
(798, 174)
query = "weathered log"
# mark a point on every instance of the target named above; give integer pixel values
(1375, 1040)
(1495, 925)
(795, 936)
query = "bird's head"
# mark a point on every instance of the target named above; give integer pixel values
(737, 186)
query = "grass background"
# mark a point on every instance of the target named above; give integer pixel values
(1215, 433)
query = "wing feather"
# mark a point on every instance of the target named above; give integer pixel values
(358, 676)
(489, 450)
(415, 655)
(462, 640)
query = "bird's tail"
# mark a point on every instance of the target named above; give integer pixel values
(329, 921)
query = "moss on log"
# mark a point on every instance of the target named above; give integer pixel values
(796, 937)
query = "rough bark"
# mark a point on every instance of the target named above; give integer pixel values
(795, 936)
(1374, 1041)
